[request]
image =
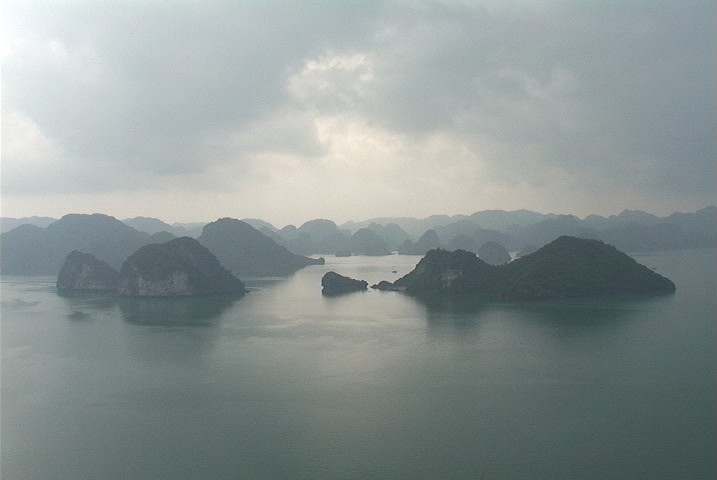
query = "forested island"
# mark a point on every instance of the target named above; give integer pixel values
(568, 267)
(181, 267)
(254, 247)
(556, 255)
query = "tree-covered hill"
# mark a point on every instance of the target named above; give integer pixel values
(565, 268)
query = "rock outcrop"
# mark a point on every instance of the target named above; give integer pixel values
(335, 284)
(385, 285)
(565, 268)
(439, 271)
(83, 272)
(180, 267)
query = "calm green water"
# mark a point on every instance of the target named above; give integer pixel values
(284, 383)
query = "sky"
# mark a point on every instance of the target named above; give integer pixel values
(288, 111)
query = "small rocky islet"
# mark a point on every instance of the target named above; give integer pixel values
(334, 284)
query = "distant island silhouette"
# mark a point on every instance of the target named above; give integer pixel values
(248, 252)
(33, 250)
(256, 248)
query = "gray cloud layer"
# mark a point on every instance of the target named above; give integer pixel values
(616, 97)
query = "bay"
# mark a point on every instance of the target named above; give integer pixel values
(287, 383)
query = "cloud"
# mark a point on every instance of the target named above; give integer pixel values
(545, 103)
(597, 87)
(144, 83)
(332, 82)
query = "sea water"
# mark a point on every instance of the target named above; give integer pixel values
(287, 383)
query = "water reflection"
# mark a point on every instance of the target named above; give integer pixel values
(465, 313)
(191, 311)
(89, 300)
(329, 295)
(262, 283)
(587, 312)
(451, 304)
(458, 314)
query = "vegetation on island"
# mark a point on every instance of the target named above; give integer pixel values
(39, 245)
(83, 272)
(565, 268)
(180, 267)
(335, 284)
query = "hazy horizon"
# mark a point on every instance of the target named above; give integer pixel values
(339, 223)
(293, 111)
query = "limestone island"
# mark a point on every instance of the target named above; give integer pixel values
(178, 268)
(181, 267)
(335, 284)
(83, 272)
(568, 267)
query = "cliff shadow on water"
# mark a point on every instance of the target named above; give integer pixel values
(203, 311)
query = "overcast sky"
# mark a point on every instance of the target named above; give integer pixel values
(288, 111)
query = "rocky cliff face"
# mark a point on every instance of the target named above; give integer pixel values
(180, 267)
(82, 272)
(443, 271)
(174, 283)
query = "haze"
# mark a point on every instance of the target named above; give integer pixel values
(289, 111)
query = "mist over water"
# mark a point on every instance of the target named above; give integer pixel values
(286, 383)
